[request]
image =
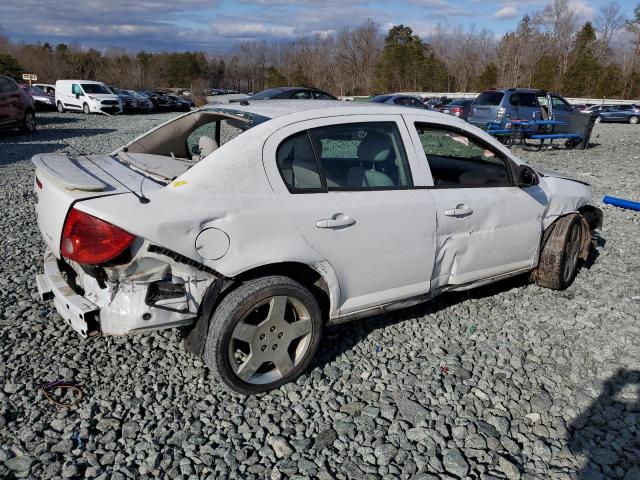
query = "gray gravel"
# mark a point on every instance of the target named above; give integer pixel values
(509, 381)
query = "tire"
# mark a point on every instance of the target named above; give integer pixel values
(246, 323)
(598, 119)
(634, 120)
(560, 254)
(86, 109)
(28, 124)
(60, 107)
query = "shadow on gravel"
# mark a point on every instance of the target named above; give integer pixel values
(17, 147)
(54, 120)
(608, 432)
(342, 338)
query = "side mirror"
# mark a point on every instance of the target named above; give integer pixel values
(527, 177)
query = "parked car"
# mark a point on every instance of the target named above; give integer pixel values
(294, 93)
(399, 99)
(86, 96)
(159, 98)
(40, 99)
(181, 103)
(437, 103)
(46, 88)
(314, 213)
(142, 102)
(616, 113)
(16, 107)
(460, 108)
(128, 102)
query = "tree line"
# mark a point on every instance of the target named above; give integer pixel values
(549, 49)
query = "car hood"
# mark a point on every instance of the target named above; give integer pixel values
(546, 172)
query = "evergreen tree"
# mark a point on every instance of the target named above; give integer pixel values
(488, 78)
(10, 66)
(584, 70)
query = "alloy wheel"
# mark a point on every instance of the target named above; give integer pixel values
(270, 340)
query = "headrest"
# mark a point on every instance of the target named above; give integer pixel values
(207, 145)
(375, 147)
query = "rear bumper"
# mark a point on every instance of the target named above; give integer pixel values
(76, 310)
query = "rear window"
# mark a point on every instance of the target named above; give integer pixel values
(380, 98)
(489, 98)
(266, 94)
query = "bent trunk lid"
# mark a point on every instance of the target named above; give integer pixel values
(62, 180)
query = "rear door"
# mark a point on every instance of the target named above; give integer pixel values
(6, 100)
(348, 184)
(561, 109)
(487, 226)
(528, 107)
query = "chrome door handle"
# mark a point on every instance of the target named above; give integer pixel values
(339, 220)
(459, 211)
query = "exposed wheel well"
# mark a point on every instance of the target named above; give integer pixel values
(299, 272)
(195, 335)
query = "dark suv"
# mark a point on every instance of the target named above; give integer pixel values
(16, 107)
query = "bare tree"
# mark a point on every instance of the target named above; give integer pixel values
(608, 23)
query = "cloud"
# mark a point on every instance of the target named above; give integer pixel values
(507, 12)
(582, 9)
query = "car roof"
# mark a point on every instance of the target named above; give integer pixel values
(318, 108)
(81, 81)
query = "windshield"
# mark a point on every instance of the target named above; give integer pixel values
(37, 91)
(489, 98)
(95, 88)
(269, 93)
(381, 98)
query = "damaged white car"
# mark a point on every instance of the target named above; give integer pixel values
(254, 226)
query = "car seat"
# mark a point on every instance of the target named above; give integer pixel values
(374, 152)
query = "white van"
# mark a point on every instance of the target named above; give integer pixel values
(86, 96)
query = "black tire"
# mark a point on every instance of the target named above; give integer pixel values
(236, 306)
(86, 109)
(60, 107)
(28, 124)
(634, 120)
(560, 254)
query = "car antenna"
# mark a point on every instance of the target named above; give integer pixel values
(141, 198)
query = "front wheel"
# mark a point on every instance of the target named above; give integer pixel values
(561, 252)
(633, 120)
(29, 122)
(85, 109)
(263, 334)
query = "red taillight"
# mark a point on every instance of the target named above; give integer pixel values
(89, 240)
(456, 110)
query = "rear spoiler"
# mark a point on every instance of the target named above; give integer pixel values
(74, 173)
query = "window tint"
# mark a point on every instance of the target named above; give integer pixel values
(457, 160)
(415, 103)
(515, 99)
(489, 98)
(559, 104)
(75, 89)
(362, 156)
(323, 96)
(303, 95)
(528, 100)
(401, 101)
(380, 98)
(297, 163)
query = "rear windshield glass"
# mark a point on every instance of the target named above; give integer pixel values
(381, 98)
(489, 98)
(270, 93)
(95, 88)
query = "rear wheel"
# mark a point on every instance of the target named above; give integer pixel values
(560, 254)
(634, 120)
(263, 334)
(29, 122)
(85, 109)
(60, 107)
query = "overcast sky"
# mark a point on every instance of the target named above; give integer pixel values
(214, 25)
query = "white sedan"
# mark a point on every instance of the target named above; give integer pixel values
(253, 226)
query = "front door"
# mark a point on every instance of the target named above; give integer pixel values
(347, 184)
(487, 226)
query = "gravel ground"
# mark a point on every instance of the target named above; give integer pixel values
(509, 381)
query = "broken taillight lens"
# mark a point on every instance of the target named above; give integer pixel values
(89, 240)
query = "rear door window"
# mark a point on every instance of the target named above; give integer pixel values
(528, 100)
(297, 164)
(489, 98)
(458, 160)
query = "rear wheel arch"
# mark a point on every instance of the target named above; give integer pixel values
(319, 279)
